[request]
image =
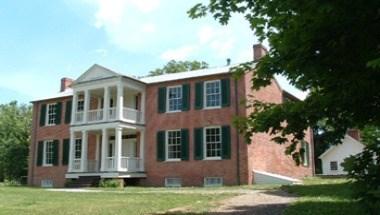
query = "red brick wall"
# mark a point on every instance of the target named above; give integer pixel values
(192, 171)
(60, 132)
(266, 155)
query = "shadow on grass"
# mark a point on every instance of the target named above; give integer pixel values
(340, 190)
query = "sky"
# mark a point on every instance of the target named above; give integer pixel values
(42, 41)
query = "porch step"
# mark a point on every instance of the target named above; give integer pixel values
(83, 181)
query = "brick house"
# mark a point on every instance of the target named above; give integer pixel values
(173, 130)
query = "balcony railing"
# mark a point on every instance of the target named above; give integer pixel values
(128, 164)
(92, 166)
(110, 163)
(95, 115)
(76, 164)
(132, 114)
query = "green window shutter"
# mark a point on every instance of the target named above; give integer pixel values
(43, 115)
(161, 100)
(185, 144)
(68, 112)
(225, 84)
(58, 113)
(305, 147)
(185, 97)
(199, 95)
(40, 153)
(66, 151)
(226, 142)
(198, 143)
(55, 152)
(160, 146)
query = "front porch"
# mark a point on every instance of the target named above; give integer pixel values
(113, 151)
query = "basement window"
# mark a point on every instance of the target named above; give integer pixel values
(47, 183)
(213, 181)
(173, 182)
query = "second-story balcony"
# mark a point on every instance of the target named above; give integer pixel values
(108, 103)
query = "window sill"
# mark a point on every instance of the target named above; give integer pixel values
(213, 158)
(47, 165)
(212, 107)
(50, 125)
(172, 160)
(173, 111)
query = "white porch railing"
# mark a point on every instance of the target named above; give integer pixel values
(92, 166)
(110, 163)
(112, 113)
(130, 164)
(76, 164)
(95, 115)
(132, 114)
(79, 116)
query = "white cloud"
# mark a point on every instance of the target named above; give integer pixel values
(181, 53)
(128, 23)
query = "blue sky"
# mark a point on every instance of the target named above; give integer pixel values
(42, 41)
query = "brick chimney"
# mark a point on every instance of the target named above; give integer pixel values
(66, 83)
(259, 51)
(354, 133)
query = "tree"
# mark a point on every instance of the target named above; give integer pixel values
(364, 169)
(179, 66)
(331, 48)
(15, 126)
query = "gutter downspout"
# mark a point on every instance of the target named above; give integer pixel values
(237, 134)
(33, 142)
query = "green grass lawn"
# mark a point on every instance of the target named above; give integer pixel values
(323, 196)
(22, 200)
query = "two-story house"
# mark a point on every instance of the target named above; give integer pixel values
(167, 130)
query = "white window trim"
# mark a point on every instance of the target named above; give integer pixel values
(78, 138)
(44, 154)
(47, 115)
(205, 95)
(167, 99)
(204, 143)
(167, 146)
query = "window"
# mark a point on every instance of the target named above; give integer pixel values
(111, 147)
(47, 183)
(305, 153)
(174, 99)
(212, 142)
(48, 153)
(173, 182)
(78, 148)
(212, 92)
(333, 165)
(213, 181)
(80, 107)
(51, 114)
(173, 145)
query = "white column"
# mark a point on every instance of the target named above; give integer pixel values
(103, 164)
(106, 103)
(84, 151)
(71, 151)
(142, 107)
(120, 101)
(142, 150)
(118, 143)
(86, 105)
(74, 107)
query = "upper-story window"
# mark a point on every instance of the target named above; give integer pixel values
(173, 145)
(80, 106)
(174, 98)
(212, 94)
(48, 153)
(51, 114)
(213, 142)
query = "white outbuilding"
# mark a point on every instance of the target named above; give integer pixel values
(333, 157)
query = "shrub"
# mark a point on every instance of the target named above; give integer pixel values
(364, 169)
(110, 183)
(11, 183)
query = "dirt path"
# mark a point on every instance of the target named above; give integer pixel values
(257, 203)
